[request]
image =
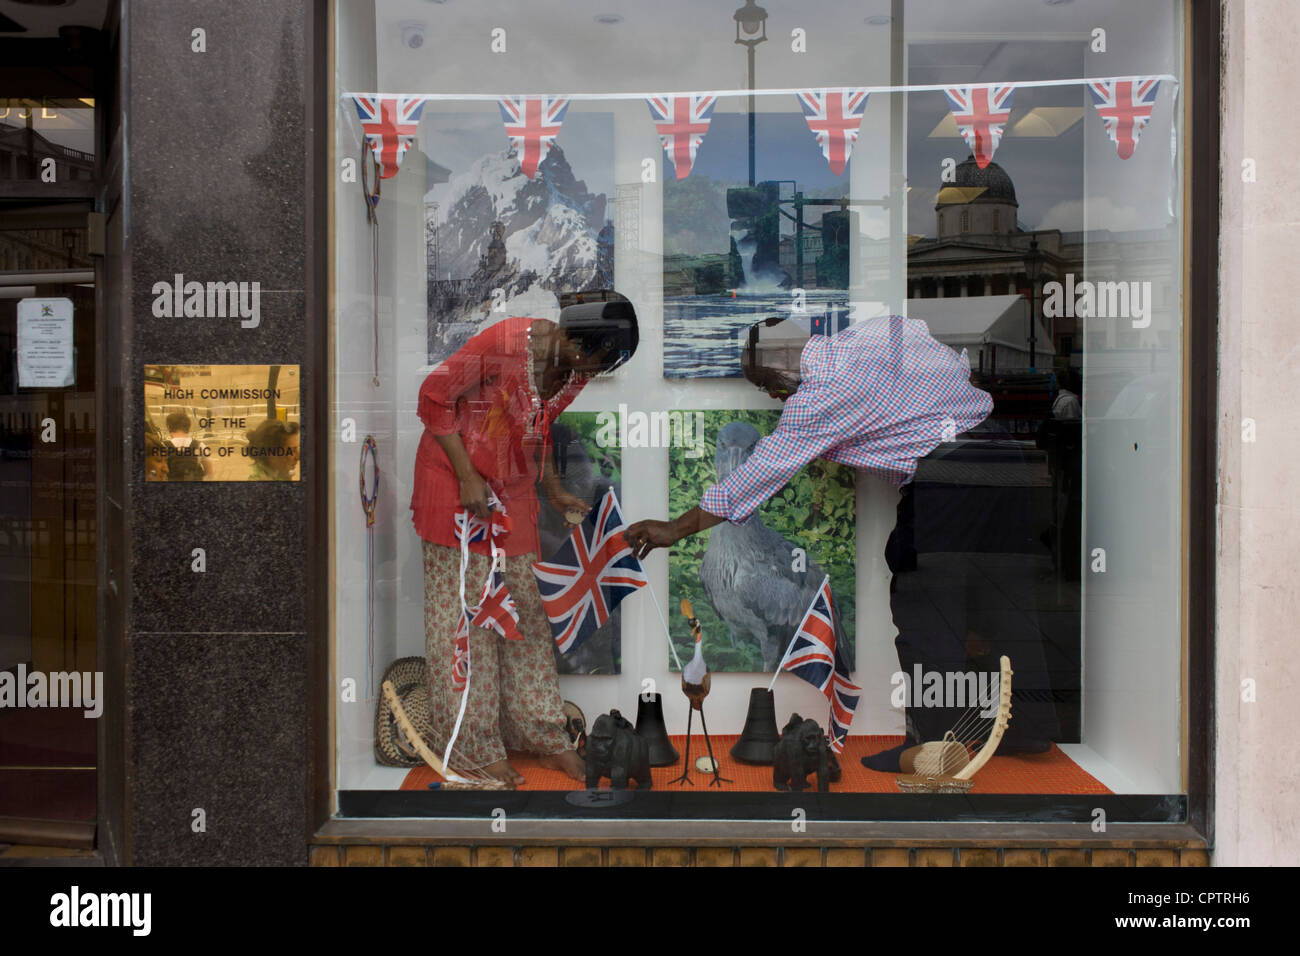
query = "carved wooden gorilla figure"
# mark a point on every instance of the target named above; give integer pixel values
(617, 751)
(801, 750)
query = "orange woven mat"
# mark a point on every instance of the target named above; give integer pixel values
(1051, 772)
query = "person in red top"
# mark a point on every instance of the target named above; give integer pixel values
(487, 412)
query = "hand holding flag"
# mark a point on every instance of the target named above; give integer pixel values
(588, 575)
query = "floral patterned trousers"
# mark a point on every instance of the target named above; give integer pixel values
(514, 691)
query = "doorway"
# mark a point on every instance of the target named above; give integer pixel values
(50, 695)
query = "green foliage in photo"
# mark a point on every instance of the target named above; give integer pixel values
(816, 511)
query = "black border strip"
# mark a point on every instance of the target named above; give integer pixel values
(1202, 384)
(316, 446)
(774, 806)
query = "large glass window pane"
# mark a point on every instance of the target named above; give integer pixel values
(991, 474)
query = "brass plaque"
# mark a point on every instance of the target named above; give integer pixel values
(221, 422)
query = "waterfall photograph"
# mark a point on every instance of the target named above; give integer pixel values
(734, 250)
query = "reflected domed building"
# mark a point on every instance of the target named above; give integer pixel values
(981, 201)
(980, 249)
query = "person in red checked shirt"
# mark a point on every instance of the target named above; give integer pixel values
(487, 412)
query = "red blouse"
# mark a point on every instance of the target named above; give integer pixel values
(484, 392)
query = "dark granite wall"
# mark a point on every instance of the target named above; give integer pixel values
(218, 186)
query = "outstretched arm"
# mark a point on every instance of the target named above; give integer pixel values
(805, 431)
(645, 536)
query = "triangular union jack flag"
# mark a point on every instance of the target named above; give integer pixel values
(1125, 107)
(389, 124)
(588, 575)
(460, 656)
(497, 609)
(981, 113)
(835, 116)
(681, 122)
(532, 123)
(498, 525)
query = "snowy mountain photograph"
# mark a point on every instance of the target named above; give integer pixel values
(490, 228)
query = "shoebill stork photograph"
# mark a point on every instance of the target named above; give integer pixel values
(758, 580)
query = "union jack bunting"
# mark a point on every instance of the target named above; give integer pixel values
(681, 122)
(460, 656)
(835, 116)
(497, 525)
(389, 124)
(811, 654)
(497, 609)
(1125, 107)
(981, 113)
(588, 576)
(844, 695)
(532, 123)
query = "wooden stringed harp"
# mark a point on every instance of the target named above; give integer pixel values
(946, 766)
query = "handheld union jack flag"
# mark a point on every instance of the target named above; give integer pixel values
(835, 116)
(497, 609)
(389, 124)
(532, 123)
(1125, 107)
(814, 656)
(811, 654)
(981, 113)
(681, 122)
(588, 576)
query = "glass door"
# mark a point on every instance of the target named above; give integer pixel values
(50, 687)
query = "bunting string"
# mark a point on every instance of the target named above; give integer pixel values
(981, 111)
(792, 91)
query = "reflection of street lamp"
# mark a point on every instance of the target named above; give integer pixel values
(1032, 262)
(751, 21)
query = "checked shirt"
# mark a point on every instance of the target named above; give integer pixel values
(878, 396)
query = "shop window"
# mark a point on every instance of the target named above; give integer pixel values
(527, 216)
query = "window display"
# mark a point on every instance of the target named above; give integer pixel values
(866, 369)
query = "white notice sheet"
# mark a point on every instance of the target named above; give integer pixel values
(45, 358)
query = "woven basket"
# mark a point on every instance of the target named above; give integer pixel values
(410, 677)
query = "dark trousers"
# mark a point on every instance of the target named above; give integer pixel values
(968, 569)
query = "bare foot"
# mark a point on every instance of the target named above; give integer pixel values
(502, 770)
(568, 761)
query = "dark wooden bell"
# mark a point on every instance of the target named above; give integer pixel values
(757, 743)
(650, 727)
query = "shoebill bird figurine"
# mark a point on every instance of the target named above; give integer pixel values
(695, 685)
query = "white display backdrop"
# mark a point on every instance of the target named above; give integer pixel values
(1133, 430)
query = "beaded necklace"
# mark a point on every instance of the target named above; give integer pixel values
(537, 412)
